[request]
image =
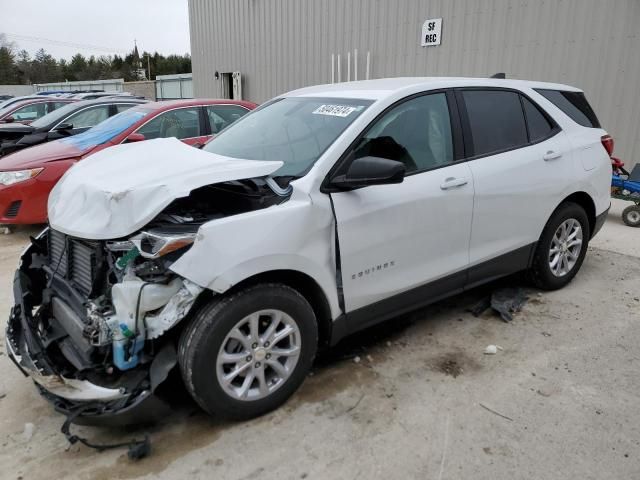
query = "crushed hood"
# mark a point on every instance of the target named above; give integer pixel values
(117, 191)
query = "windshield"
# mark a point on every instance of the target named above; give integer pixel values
(107, 130)
(295, 130)
(55, 116)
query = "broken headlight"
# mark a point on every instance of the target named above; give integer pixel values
(154, 245)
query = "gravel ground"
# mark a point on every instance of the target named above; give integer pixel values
(421, 400)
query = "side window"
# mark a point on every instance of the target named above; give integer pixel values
(496, 120)
(416, 132)
(89, 117)
(220, 116)
(55, 105)
(30, 112)
(574, 105)
(124, 106)
(180, 123)
(539, 126)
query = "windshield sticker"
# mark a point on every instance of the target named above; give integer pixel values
(336, 110)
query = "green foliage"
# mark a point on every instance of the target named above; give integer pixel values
(17, 67)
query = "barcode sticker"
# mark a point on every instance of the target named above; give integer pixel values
(335, 110)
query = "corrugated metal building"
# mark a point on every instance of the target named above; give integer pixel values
(280, 45)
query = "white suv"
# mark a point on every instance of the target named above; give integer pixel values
(324, 211)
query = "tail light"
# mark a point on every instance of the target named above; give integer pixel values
(607, 143)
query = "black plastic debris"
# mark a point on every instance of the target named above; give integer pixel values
(504, 301)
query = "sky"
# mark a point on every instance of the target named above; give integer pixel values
(96, 27)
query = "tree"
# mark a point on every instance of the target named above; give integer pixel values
(23, 65)
(17, 67)
(9, 73)
(44, 68)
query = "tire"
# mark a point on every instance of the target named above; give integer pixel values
(541, 272)
(218, 343)
(631, 216)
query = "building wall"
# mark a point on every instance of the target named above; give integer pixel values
(17, 90)
(171, 87)
(280, 45)
(114, 85)
(146, 88)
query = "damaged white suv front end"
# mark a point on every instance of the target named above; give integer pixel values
(320, 213)
(95, 294)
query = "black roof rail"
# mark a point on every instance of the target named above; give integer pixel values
(499, 75)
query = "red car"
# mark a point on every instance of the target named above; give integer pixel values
(27, 176)
(30, 109)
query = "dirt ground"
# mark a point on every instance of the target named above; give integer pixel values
(559, 401)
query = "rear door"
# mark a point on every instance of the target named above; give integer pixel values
(520, 162)
(396, 238)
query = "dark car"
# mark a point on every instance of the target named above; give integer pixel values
(31, 108)
(69, 120)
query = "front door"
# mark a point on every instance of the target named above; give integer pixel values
(396, 238)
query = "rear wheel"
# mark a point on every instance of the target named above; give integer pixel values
(244, 355)
(631, 216)
(561, 248)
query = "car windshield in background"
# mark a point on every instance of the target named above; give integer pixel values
(107, 130)
(295, 130)
(54, 116)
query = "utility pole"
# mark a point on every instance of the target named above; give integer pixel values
(148, 67)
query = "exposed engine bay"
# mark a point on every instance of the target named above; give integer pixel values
(94, 320)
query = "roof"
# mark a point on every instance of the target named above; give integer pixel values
(384, 87)
(33, 100)
(189, 102)
(109, 100)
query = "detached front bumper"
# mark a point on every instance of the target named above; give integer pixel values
(99, 405)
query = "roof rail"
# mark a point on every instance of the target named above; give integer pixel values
(499, 75)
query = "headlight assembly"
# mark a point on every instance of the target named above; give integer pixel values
(154, 245)
(9, 178)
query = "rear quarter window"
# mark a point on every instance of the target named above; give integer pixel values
(573, 104)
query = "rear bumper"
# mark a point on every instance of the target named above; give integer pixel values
(600, 219)
(100, 405)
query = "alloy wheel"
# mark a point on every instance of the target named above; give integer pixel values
(566, 245)
(258, 355)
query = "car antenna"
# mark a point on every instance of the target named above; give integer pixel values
(499, 75)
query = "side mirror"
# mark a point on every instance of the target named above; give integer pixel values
(9, 119)
(367, 171)
(135, 137)
(64, 126)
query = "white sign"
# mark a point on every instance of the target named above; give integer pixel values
(335, 110)
(431, 32)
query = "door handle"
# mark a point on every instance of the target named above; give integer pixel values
(551, 155)
(452, 182)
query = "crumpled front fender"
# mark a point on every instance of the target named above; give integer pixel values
(297, 235)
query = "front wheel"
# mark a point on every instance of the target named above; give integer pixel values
(244, 355)
(561, 248)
